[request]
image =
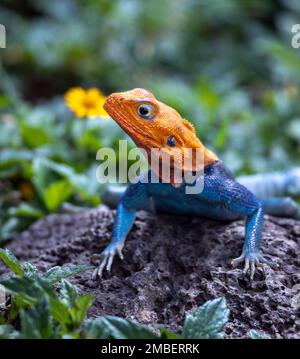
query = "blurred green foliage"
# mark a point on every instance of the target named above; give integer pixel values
(47, 158)
(228, 67)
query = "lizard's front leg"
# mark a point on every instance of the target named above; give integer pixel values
(251, 254)
(135, 197)
(123, 223)
(224, 190)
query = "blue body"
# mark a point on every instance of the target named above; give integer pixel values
(222, 198)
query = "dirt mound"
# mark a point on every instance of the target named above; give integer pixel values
(173, 265)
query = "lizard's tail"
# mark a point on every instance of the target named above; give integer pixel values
(276, 191)
(277, 184)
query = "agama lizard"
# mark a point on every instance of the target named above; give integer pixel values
(152, 124)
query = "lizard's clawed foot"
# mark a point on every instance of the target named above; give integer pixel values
(252, 263)
(106, 259)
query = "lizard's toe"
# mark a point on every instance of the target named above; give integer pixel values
(252, 263)
(262, 260)
(105, 263)
(246, 267)
(106, 260)
(236, 261)
(99, 270)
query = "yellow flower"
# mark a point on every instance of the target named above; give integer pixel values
(86, 103)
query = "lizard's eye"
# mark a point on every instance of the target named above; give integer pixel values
(171, 141)
(146, 111)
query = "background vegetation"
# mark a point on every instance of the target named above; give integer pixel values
(228, 66)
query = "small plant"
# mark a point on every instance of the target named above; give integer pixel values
(48, 158)
(46, 312)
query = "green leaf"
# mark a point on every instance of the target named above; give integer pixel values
(8, 332)
(9, 157)
(34, 137)
(221, 137)
(47, 172)
(69, 309)
(80, 182)
(4, 101)
(39, 126)
(30, 270)
(41, 176)
(166, 334)
(57, 193)
(253, 334)
(207, 94)
(82, 305)
(8, 228)
(68, 292)
(57, 273)
(36, 323)
(208, 321)
(59, 311)
(11, 261)
(109, 327)
(26, 210)
(9, 134)
(76, 304)
(11, 226)
(28, 290)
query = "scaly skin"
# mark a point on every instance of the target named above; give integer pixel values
(156, 125)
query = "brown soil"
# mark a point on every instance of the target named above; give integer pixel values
(173, 265)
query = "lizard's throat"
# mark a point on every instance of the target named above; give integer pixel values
(173, 168)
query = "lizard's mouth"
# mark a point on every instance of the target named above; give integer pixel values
(110, 105)
(117, 111)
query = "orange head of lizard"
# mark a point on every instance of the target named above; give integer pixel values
(152, 124)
